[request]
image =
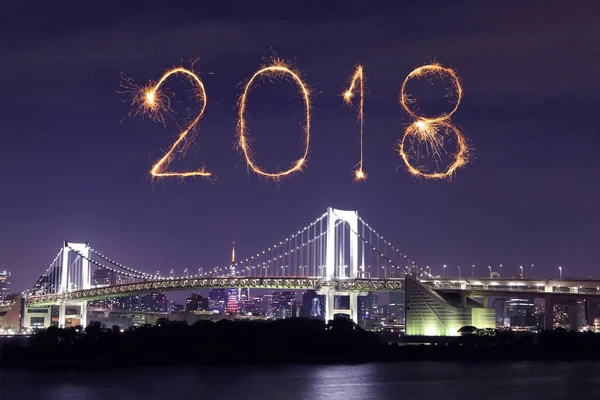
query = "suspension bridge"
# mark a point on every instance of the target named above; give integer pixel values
(338, 254)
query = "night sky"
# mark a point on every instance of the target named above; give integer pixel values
(74, 166)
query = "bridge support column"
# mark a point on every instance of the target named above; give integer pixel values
(83, 313)
(62, 315)
(354, 307)
(329, 306)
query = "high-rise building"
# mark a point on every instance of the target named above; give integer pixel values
(267, 306)
(307, 302)
(4, 285)
(500, 307)
(253, 306)
(217, 300)
(521, 312)
(317, 309)
(196, 303)
(284, 305)
(243, 300)
(367, 306)
(583, 308)
(177, 308)
(560, 314)
(155, 302)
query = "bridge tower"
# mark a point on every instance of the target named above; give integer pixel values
(333, 271)
(66, 277)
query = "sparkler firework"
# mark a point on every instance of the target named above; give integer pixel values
(432, 130)
(277, 69)
(359, 173)
(153, 102)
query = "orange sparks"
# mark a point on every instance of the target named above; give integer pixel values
(276, 70)
(429, 129)
(359, 173)
(423, 72)
(153, 102)
(434, 143)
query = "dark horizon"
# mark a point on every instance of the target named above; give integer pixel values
(74, 167)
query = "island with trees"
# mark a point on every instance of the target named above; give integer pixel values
(293, 340)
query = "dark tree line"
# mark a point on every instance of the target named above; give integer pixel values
(289, 340)
(293, 340)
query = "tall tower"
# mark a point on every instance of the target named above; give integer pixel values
(232, 305)
(232, 266)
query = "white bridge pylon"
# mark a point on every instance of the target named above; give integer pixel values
(83, 280)
(351, 219)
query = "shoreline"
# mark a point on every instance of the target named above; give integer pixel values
(281, 342)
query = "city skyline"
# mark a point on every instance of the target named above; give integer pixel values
(78, 171)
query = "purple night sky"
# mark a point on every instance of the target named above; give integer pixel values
(74, 167)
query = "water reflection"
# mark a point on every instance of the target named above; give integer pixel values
(447, 381)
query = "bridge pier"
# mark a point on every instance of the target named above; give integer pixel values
(83, 313)
(331, 310)
(62, 314)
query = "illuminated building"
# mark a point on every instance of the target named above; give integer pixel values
(560, 315)
(196, 303)
(317, 309)
(178, 308)
(243, 299)
(4, 286)
(583, 311)
(521, 312)
(439, 314)
(499, 305)
(367, 306)
(217, 299)
(267, 306)
(284, 305)
(307, 303)
(253, 306)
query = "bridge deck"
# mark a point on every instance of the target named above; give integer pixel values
(473, 286)
(288, 283)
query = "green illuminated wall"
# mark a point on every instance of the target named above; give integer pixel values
(429, 314)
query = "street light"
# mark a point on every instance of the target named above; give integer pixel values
(560, 272)
(490, 268)
(520, 266)
(458, 271)
(473, 270)
(500, 270)
(444, 271)
(429, 271)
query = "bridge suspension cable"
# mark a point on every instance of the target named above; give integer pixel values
(281, 243)
(47, 273)
(96, 263)
(119, 265)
